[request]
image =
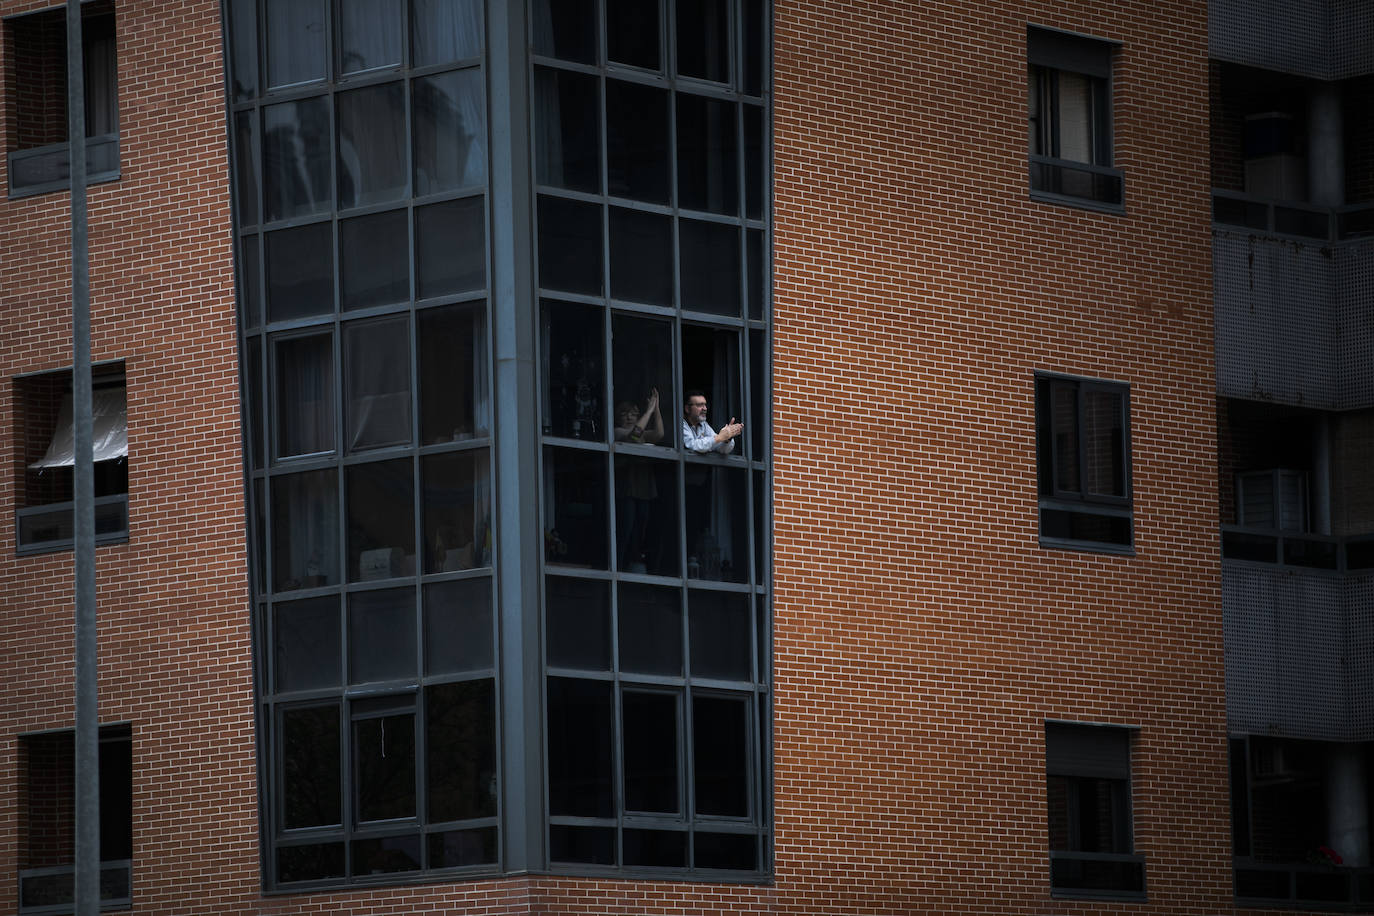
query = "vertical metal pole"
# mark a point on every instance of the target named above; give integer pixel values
(87, 734)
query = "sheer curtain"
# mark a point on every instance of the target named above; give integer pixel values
(305, 395)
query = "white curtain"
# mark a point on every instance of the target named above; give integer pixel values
(109, 431)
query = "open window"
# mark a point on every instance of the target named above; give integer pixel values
(47, 811)
(1070, 114)
(36, 97)
(45, 519)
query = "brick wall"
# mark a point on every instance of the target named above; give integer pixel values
(922, 637)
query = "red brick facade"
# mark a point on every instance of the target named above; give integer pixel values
(922, 637)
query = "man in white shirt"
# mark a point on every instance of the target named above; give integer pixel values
(697, 434)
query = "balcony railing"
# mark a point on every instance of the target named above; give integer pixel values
(1077, 183)
(1301, 886)
(50, 527)
(1324, 224)
(50, 890)
(1304, 551)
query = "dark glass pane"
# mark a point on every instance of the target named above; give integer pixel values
(451, 247)
(446, 30)
(1064, 428)
(758, 395)
(304, 386)
(646, 528)
(450, 132)
(755, 47)
(720, 626)
(370, 34)
(305, 530)
(583, 845)
(260, 532)
(461, 757)
(650, 622)
(453, 373)
(632, 32)
(735, 851)
(250, 280)
(575, 528)
(458, 627)
(717, 518)
(456, 848)
(254, 386)
(579, 722)
(643, 368)
(755, 178)
(656, 848)
(372, 145)
(308, 643)
(310, 863)
(384, 766)
(377, 383)
(641, 256)
(637, 142)
(246, 168)
(381, 635)
(115, 762)
(295, 158)
(566, 29)
(1085, 526)
(567, 129)
(1099, 875)
(1104, 441)
(649, 723)
(761, 639)
(310, 767)
(720, 737)
(703, 39)
(707, 174)
(572, 345)
(243, 41)
(577, 623)
(758, 276)
(375, 260)
(762, 544)
(296, 49)
(569, 245)
(300, 272)
(381, 520)
(710, 267)
(386, 855)
(457, 511)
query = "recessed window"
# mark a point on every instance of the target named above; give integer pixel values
(1083, 440)
(44, 519)
(1070, 110)
(36, 45)
(1088, 795)
(47, 813)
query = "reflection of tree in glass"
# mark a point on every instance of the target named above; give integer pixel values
(310, 767)
(461, 754)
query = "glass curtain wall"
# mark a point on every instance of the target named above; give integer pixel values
(360, 169)
(360, 159)
(648, 123)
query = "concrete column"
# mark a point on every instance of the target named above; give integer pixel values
(1325, 145)
(1347, 803)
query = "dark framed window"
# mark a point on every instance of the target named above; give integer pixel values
(1088, 797)
(47, 815)
(1084, 448)
(44, 517)
(360, 176)
(651, 231)
(36, 98)
(1070, 119)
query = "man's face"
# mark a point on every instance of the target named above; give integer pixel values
(696, 410)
